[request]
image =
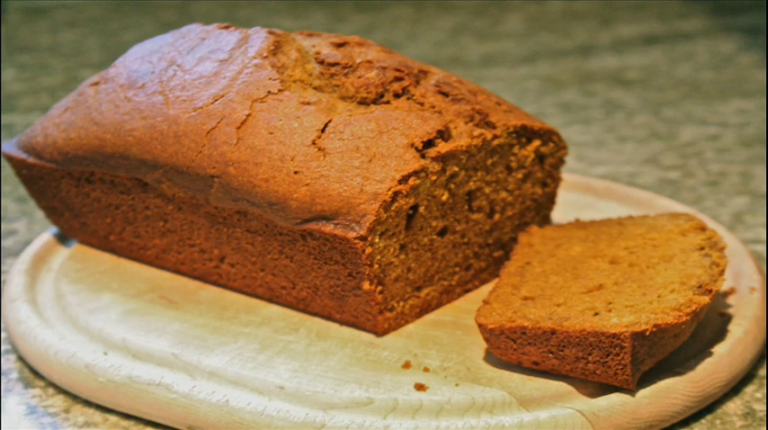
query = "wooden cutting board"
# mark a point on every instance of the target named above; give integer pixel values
(169, 349)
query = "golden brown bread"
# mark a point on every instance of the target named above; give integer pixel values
(603, 300)
(319, 171)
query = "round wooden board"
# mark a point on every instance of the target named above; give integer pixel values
(176, 351)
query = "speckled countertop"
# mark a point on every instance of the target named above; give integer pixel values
(669, 97)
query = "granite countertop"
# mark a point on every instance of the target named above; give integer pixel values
(669, 97)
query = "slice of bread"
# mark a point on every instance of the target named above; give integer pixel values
(603, 300)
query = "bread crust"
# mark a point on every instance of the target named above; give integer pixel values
(265, 161)
(307, 128)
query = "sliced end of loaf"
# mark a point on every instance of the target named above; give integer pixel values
(450, 228)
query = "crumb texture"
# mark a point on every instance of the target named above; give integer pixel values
(603, 300)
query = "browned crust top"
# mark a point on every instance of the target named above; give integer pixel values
(311, 129)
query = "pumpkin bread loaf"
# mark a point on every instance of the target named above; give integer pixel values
(603, 300)
(322, 172)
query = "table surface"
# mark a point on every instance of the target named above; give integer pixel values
(669, 97)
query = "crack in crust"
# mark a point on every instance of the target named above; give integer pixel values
(234, 100)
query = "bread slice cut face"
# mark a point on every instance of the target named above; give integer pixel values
(603, 300)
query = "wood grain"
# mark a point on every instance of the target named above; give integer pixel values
(176, 351)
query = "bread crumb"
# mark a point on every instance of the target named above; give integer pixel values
(457, 384)
(406, 365)
(420, 387)
(752, 290)
(728, 292)
(425, 369)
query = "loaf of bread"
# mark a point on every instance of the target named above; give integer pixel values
(603, 300)
(322, 172)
